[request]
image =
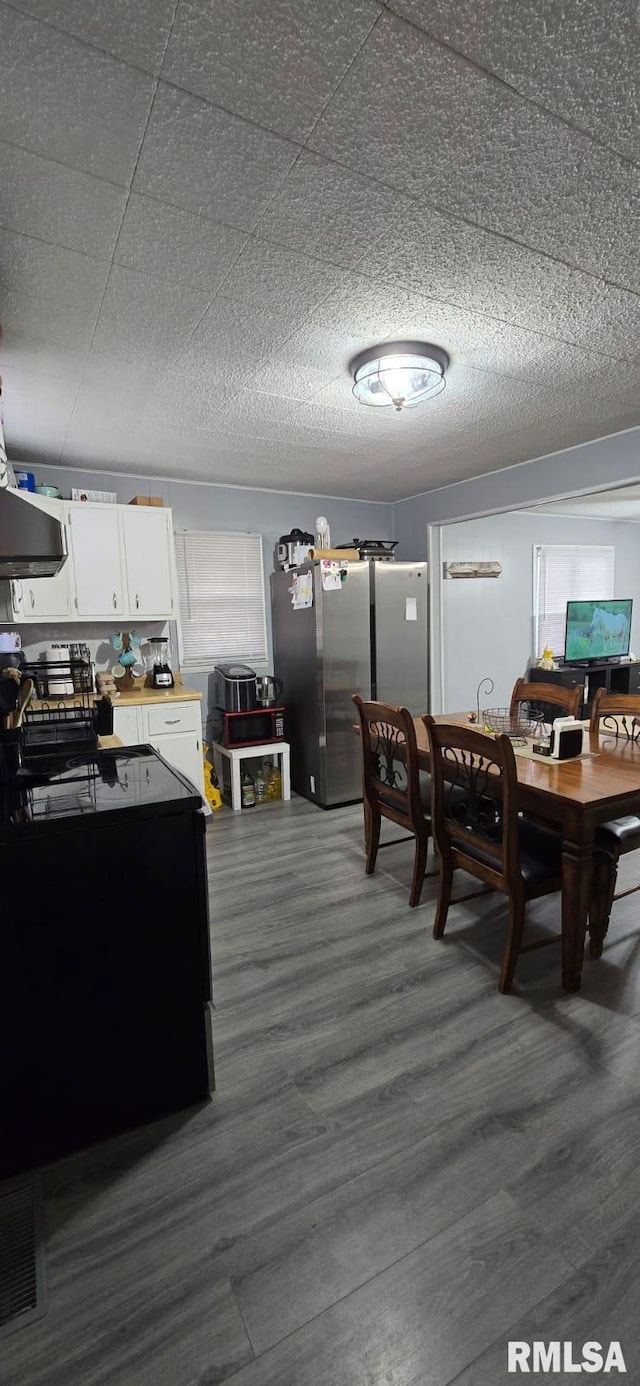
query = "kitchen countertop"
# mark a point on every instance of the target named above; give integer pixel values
(135, 697)
(179, 694)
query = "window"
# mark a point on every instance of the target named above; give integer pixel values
(564, 573)
(221, 596)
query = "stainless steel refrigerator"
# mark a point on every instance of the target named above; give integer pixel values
(370, 637)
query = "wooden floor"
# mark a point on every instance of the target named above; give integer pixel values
(400, 1170)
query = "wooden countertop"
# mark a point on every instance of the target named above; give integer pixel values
(178, 694)
(109, 743)
(134, 698)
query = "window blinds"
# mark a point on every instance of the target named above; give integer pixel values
(565, 573)
(221, 597)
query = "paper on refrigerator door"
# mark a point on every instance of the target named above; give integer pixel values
(302, 591)
(330, 573)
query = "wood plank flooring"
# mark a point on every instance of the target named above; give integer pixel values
(400, 1169)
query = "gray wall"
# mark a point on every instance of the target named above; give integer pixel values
(611, 461)
(488, 622)
(202, 506)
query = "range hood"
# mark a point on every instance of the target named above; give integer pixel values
(32, 541)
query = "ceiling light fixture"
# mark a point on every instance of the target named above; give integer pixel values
(399, 373)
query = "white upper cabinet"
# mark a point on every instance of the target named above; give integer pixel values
(45, 599)
(97, 560)
(121, 563)
(148, 556)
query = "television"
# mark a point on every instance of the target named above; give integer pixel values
(597, 630)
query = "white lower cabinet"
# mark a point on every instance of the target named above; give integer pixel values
(184, 753)
(127, 724)
(172, 728)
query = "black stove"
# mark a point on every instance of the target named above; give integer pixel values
(57, 787)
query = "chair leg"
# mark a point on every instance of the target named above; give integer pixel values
(372, 829)
(512, 946)
(419, 868)
(444, 897)
(603, 885)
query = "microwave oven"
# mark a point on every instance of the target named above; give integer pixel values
(253, 728)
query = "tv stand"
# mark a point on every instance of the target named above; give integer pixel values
(623, 677)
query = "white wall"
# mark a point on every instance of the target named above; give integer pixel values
(488, 622)
(612, 461)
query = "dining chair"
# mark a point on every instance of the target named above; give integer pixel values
(617, 715)
(476, 828)
(393, 786)
(568, 700)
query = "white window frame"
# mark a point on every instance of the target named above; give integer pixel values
(537, 551)
(208, 663)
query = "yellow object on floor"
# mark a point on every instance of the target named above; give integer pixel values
(211, 787)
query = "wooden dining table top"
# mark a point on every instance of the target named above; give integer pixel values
(607, 775)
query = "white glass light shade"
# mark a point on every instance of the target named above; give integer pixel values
(401, 374)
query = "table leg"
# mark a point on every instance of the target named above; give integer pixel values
(576, 894)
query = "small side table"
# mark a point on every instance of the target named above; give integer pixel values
(235, 754)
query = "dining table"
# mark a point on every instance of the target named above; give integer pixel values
(574, 796)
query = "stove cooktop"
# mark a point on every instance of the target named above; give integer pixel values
(98, 782)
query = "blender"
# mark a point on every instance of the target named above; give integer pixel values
(160, 661)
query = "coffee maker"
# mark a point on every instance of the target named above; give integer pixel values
(160, 662)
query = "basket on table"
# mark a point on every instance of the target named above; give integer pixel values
(519, 726)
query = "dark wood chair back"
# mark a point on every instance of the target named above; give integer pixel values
(618, 714)
(570, 700)
(391, 778)
(474, 800)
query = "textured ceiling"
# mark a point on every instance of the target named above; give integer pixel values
(207, 208)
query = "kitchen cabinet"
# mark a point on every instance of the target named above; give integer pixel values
(42, 599)
(172, 726)
(184, 753)
(148, 557)
(121, 565)
(97, 561)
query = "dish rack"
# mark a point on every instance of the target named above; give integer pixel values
(64, 722)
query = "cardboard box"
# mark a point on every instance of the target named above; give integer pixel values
(147, 500)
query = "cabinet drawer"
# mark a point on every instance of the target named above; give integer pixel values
(164, 720)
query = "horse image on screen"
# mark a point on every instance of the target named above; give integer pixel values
(598, 629)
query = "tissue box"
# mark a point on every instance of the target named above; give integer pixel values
(566, 738)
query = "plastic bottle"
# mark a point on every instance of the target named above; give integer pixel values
(260, 786)
(274, 783)
(247, 790)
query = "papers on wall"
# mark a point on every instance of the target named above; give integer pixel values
(302, 591)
